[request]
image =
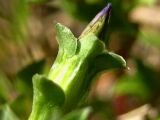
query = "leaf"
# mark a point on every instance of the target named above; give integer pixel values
(82, 114)
(66, 40)
(7, 114)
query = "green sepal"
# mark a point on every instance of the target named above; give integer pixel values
(66, 40)
(101, 63)
(108, 60)
(81, 114)
(47, 90)
(90, 46)
(47, 99)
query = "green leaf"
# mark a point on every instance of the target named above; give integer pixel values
(82, 114)
(7, 114)
(66, 40)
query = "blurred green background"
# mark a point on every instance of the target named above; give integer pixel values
(28, 46)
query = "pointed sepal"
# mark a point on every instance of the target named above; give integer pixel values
(48, 97)
(90, 46)
(108, 60)
(66, 40)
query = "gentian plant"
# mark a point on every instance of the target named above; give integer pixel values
(78, 62)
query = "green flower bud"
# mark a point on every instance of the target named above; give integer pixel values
(78, 61)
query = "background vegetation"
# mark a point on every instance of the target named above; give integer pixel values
(28, 46)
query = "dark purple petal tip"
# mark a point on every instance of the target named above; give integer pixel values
(103, 12)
